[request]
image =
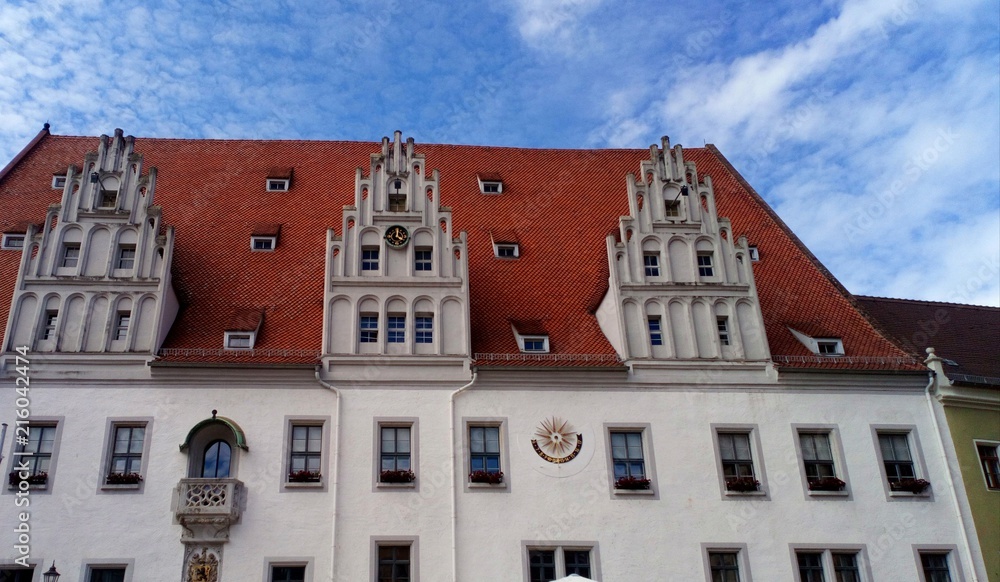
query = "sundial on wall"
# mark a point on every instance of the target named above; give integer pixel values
(557, 442)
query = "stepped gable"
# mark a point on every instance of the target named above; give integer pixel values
(561, 204)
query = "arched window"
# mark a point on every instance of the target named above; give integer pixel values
(217, 459)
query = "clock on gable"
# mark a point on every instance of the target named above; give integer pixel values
(396, 236)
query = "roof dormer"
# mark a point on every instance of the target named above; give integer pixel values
(242, 329)
(490, 183)
(531, 336)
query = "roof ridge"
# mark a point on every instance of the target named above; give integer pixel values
(20, 155)
(901, 300)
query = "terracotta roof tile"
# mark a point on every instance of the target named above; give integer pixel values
(560, 203)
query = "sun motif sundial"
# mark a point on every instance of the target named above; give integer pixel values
(557, 442)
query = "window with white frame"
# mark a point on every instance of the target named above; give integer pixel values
(818, 564)
(305, 454)
(58, 181)
(651, 264)
(535, 343)
(422, 259)
(368, 328)
(125, 454)
(936, 566)
(263, 243)
(278, 184)
(989, 461)
(705, 267)
(722, 324)
(491, 186)
(558, 561)
(284, 573)
(829, 347)
(239, 340)
(122, 320)
(126, 257)
(369, 259)
(506, 250)
(49, 324)
(70, 255)
(395, 328)
(655, 330)
(754, 253)
(424, 328)
(13, 242)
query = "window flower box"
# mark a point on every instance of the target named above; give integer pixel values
(914, 486)
(826, 484)
(123, 479)
(632, 483)
(742, 484)
(304, 477)
(396, 477)
(486, 477)
(36, 479)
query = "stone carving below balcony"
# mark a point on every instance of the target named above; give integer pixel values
(206, 508)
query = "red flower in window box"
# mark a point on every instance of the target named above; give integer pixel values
(742, 484)
(123, 479)
(912, 485)
(486, 477)
(36, 479)
(396, 477)
(826, 484)
(304, 477)
(632, 483)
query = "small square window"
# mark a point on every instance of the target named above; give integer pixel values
(263, 243)
(368, 327)
(506, 250)
(58, 181)
(422, 259)
(49, 327)
(13, 241)
(705, 268)
(126, 257)
(369, 259)
(396, 329)
(397, 202)
(122, 320)
(393, 563)
(278, 185)
(722, 324)
(70, 255)
(424, 329)
(239, 340)
(989, 460)
(754, 253)
(288, 574)
(108, 199)
(651, 264)
(655, 331)
(672, 208)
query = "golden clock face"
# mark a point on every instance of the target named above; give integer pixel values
(396, 236)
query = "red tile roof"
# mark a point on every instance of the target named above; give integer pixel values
(968, 335)
(560, 203)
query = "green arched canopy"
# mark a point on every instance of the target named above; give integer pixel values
(241, 439)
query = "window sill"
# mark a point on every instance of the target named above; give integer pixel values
(844, 493)
(121, 487)
(410, 485)
(303, 485)
(728, 493)
(487, 485)
(633, 492)
(907, 494)
(31, 487)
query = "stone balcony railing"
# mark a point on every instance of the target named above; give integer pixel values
(207, 507)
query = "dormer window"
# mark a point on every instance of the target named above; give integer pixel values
(531, 336)
(535, 343)
(754, 253)
(506, 250)
(263, 243)
(13, 242)
(240, 340)
(58, 181)
(490, 183)
(278, 184)
(821, 346)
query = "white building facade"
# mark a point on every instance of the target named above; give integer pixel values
(419, 396)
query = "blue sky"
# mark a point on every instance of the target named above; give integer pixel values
(871, 126)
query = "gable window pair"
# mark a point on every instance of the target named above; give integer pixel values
(396, 328)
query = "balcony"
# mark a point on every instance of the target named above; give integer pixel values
(207, 507)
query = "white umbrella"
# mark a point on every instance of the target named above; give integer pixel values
(574, 578)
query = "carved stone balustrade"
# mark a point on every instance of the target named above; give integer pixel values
(207, 507)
